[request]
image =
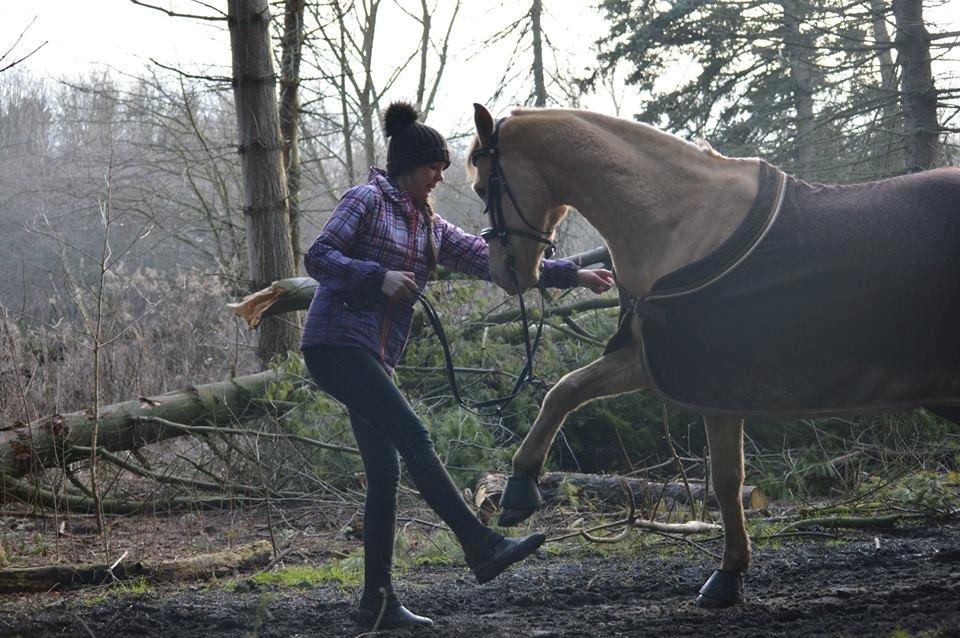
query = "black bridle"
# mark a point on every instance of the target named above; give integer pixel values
(497, 186)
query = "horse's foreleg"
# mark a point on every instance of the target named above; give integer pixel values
(614, 373)
(725, 438)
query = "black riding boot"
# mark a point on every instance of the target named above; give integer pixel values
(487, 553)
(379, 529)
(489, 559)
(389, 613)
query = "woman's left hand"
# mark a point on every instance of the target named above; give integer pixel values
(599, 280)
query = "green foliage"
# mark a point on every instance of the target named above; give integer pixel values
(138, 588)
(345, 574)
(442, 549)
(801, 84)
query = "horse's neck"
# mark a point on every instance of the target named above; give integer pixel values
(659, 202)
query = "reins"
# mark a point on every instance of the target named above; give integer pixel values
(525, 375)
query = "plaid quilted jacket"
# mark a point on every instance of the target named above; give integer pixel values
(375, 228)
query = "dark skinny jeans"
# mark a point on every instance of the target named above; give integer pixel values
(384, 424)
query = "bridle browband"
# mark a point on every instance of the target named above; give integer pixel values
(497, 186)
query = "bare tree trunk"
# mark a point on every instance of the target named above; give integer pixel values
(368, 101)
(265, 190)
(290, 115)
(888, 69)
(798, 49)
(539, 86)
(344, 109)
(425, 23)
(920, 125)
(425, 102)
(891, 124)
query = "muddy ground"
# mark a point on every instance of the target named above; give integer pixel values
(896, 583)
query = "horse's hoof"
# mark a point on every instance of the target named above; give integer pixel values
(722, 589)
(521, 497)
(510, 517)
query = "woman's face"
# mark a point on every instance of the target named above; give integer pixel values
(423, 179)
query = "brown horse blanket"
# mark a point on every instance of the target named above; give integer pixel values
(828, 299)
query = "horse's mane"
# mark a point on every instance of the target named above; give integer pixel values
(624, 130)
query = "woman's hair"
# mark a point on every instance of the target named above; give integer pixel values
(426, 208)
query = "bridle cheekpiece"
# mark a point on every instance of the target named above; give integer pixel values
(497, 186)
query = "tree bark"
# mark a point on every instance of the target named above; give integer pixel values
(293, 294)
(888, 69)
(290, 115)
(266, 208)
(368, 97)
(920, 125)
(54, 440)
(608, 489)
(539, 86)
(798, 47)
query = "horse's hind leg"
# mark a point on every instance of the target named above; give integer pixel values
(725, 438)
(614, 373)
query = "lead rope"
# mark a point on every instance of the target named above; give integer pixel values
(525, 376)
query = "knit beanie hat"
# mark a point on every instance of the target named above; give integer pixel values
(411, 143)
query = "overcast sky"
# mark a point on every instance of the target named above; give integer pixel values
(83, 35)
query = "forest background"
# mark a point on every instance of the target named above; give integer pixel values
(125, 230)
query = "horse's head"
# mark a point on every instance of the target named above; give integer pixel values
(520, 206)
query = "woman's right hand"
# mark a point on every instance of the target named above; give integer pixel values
(399, 285)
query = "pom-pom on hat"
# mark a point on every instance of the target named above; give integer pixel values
(411, 142)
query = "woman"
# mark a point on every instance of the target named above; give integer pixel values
(377, 250)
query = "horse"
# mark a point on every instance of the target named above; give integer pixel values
(745, 292)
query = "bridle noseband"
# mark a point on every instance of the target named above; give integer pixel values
(497, 186)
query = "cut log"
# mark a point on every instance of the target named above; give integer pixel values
(607, 489)
(295, 293)
(216, 565)
(58, 439)
(286, 295)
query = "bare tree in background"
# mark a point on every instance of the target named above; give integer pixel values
(919, 98)
(265, 190)
(525, 68)
(424, 100)
(8, 58)
(799, 46)
(539, 87)
(292, 53)
(345, 113)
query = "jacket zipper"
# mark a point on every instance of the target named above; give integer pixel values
(409, 263)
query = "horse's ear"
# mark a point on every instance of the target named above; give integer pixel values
(484, 122)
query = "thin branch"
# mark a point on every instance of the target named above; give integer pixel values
(174, 14)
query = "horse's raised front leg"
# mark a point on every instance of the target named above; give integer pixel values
(725, 438)
(614, 373)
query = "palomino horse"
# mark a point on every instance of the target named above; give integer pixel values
(748, 292)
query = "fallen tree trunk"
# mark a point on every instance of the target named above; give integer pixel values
(295, 293)
(606, 488)
(58, 439)
(216, 565)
